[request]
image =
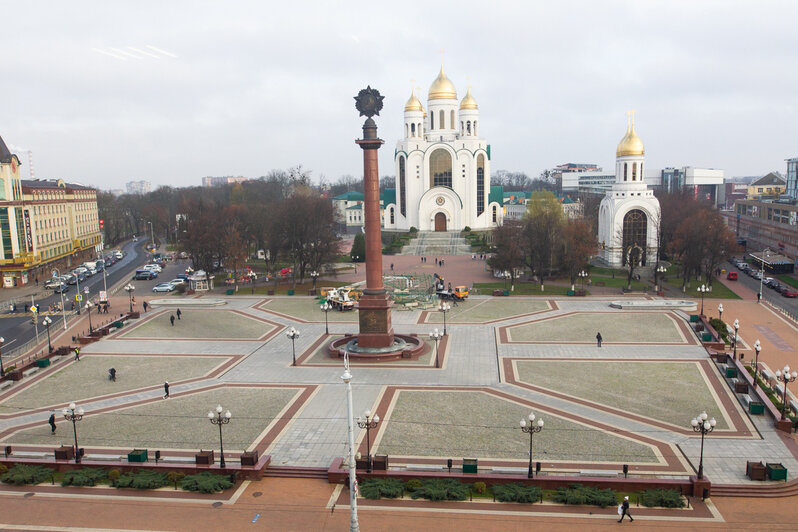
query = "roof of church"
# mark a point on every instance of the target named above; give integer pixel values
(5, 154)
(389, 196)
(769, 179)
(350, 196)
(357, 207)
(496, 194)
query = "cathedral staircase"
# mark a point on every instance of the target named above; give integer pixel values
(437, 243)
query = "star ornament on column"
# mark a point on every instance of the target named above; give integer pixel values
(369, 102)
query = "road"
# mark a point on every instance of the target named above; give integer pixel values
(768, 294)
(17, 330)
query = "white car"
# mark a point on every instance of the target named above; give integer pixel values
(118, 254)
(176, 282)
(153, 267)
(164, 287)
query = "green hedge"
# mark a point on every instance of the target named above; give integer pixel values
(84, 477)
(207, 482)
(441, 489)
(585, 495)
(662, 497)
(20, 474)
(376, 488)
(720, 326)
(142, 480)
(516, 493)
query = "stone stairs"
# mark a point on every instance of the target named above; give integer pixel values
(432, 243)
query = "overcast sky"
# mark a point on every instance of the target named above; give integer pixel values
(241, 88)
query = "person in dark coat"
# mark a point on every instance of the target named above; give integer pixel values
(166, 389)
(172, 320)
(51, 421)
(112, 374)
(598, 339)
(145, 306)
(625, 509)
(179, 313)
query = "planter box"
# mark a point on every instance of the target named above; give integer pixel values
(64, 453)
(379, 462)
(498, 292)
(741, 387)
(756, 408)
(204, 458)
(756, 471)
(249, 458)
(731, 373)
(693, 318)
(42, 362)
(14, 375)
(469, 465)
(269, 292)
(290, 292)
(137, 455)
(776, 471)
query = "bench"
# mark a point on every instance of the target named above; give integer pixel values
(746, 399)
(767, 376)
(29, 372)
(105, 457)
(793, 405)
(779, 389)
(178, 459)
(598, 473)
(511, 470)
(723, 368)
(423, 467)
(6, 384)
(30, 454)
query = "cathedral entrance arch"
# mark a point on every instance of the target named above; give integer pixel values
(440, 222)
(635, 235)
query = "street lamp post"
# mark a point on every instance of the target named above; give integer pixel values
(703, 289)
(73, 415)
(444, 308)
(292, 335)
(658, 272)
(314, 275)
(762, 273)
(720, 311)
(736, 325)
(531, 428)
(347, 378)
(436, 337)
(2, 369)
(582, 275)
(220, 419)
(368, 423)
(129, 289)
(785, 377)
(88, 311)
(326, 308)
(700, 424)
(47, 321)
(63, 308)
(757, 349)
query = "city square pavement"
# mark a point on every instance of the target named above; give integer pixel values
(629, 401)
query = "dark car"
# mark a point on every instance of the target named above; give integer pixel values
(61, 289)
(144, 275)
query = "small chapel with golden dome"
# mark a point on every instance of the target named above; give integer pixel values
(442, 166)
(629, 214)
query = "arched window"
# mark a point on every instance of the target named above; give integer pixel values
(462, 128)
(634, 171)
(641, 172)
(635, 232)
(413, 130)
(420, 130)
(392, 217)
(468, 127)
(402, 187)
(440, 168)
(451, 119)
(442, 124)
(475, 128)
(480, 183)
(432, 121)
(405, 130)
(494, 214)
(625, 168)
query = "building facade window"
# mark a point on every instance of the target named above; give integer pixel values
(635, 231)
(442, 117)
(402, 187)
(480, 183)
(393, 221)
(493, 216)
(451, 119)
(440, 165)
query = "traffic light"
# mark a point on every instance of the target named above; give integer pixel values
(102, 224)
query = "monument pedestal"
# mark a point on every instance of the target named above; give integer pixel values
(375, 320)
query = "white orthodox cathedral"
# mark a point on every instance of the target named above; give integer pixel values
(443, 166)
(629, 214)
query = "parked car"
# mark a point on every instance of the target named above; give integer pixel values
(183, 276)
(731, 276)
(163, 287)
(178, 281)
(145, 275)
(118, 254)
(61, 289)
(769, 282)
(789, 292)
(153, 267)
(53, 282)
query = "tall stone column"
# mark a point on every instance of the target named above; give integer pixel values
(374, 306)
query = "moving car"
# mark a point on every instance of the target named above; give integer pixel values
(153, 267)
(61, 289)
(163, 287)
(145, 275)
(53, 282)
(178, 281)
(731, 276)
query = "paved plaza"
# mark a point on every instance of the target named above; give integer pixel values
(628, 402)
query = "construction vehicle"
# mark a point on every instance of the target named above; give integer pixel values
(461, 292)
(339, 299)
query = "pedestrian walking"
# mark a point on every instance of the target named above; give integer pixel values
(77, 354)
(623, 509)
(51, 421)
(72, 305)
(145, 306)
(172, 320)
(598, 339)
(26, 308)
(758, 299)
(37, 281)
(112, 374)
(179, 313)
(166, 391)
(392, 267)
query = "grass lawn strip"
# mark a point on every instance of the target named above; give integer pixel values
(78, 381)
(523, 289)
(479, 425)
(719, 290)
(674, 392)
(307, 309)
(620, 327)
(174, 423)
(480, 311)
(216, 324)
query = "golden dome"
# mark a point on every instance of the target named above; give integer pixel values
(413, 104)
(442, 88)
(468, 102)
(630, 143)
